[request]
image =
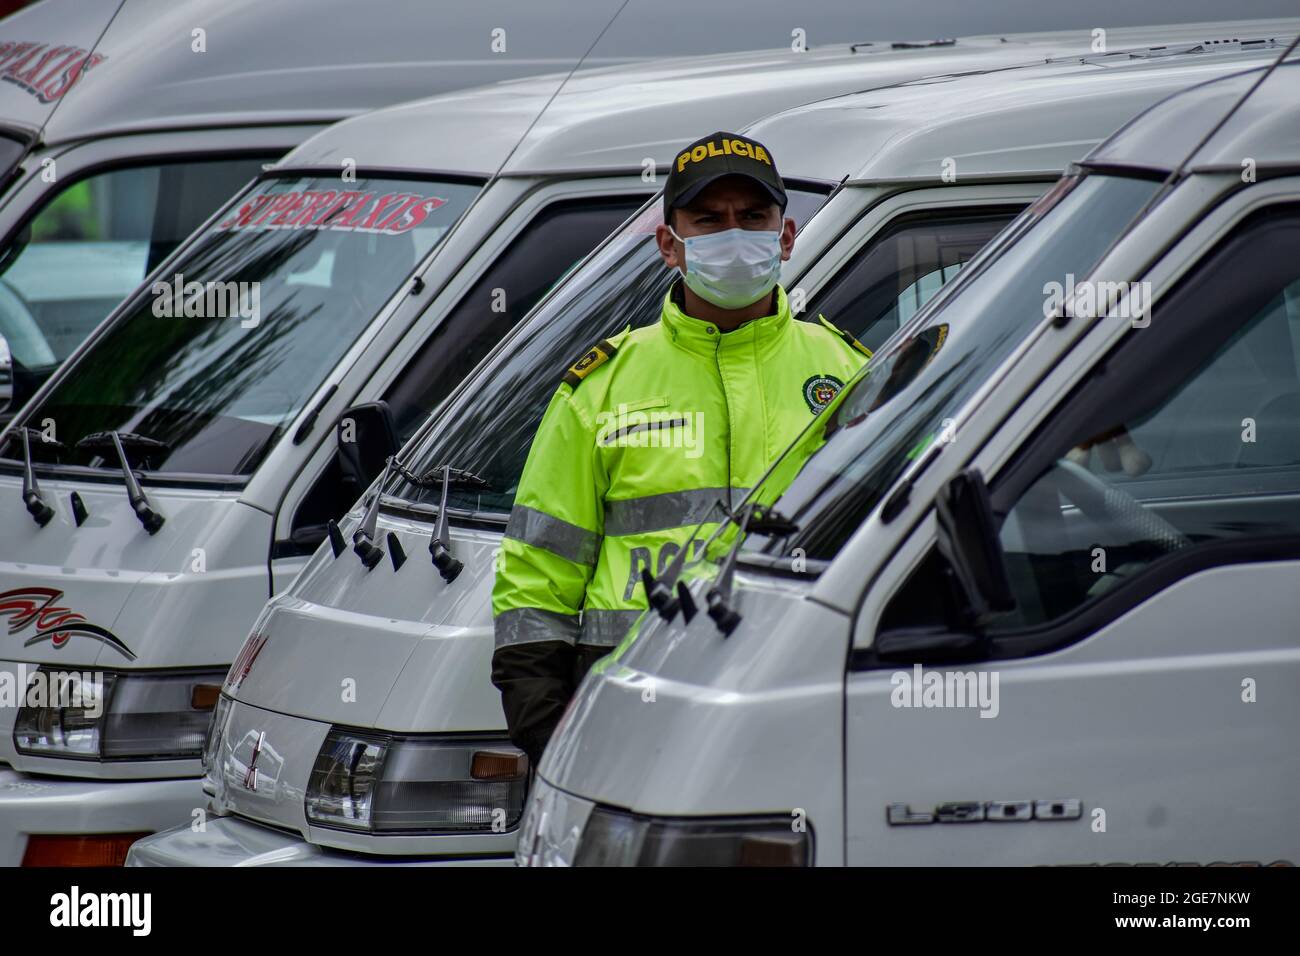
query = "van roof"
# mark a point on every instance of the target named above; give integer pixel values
(1034, 120)
(1265, 129)
(611, 120)
(291, 61)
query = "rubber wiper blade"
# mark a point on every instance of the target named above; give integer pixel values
(718, 597)
(111, 439)
(441, 475)
(669, 594)
(440, 544)
(36, 507)
(150, 519)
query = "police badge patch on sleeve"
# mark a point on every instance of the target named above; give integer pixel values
(819, 390)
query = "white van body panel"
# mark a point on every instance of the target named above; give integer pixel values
(1147, 707)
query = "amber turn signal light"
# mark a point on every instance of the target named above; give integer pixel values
(107, 849)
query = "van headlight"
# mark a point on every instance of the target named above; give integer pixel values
(98, 715)
(396, 783)
(563, 830)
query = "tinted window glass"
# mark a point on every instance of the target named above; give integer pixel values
(489, 429)
(559, 236)
(270, 299)
(109, 231)
(899, 404)
(1190, 436)
(889, 280)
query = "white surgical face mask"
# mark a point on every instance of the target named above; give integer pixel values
(733, 268)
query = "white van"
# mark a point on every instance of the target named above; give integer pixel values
(1042, 582)
(180, 468)
(359, 715)
(124, 124)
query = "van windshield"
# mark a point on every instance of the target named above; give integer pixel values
(489, 428)
(840, 468)
(215, 360)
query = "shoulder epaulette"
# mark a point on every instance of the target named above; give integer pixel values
(592, 359)
(849, 340)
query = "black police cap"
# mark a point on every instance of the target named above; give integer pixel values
(717, 155)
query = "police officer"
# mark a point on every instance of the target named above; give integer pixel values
(650, 428)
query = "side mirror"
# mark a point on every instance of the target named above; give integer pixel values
(968, 541)
(367, 436)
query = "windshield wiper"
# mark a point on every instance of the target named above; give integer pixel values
(440, 543)
(434, 477)
(36, 507)
(140, 504)
(668, 594)
(752, 518)
(363, 539)
(719, 596)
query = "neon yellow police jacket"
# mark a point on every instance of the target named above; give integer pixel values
(645, 434)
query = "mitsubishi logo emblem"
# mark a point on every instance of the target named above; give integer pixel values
(250, 775)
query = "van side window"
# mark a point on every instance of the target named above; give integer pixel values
(1182, 448)
(886, 283)
(554, 241)
(108, 230)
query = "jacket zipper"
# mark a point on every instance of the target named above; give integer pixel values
(726, 403)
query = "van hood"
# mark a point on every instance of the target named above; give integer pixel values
(404, 651)
(401, 650)
(700, 716)
(202, 576)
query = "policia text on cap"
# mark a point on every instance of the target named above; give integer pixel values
(649, 428)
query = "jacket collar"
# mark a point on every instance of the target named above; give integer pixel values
(696, 335)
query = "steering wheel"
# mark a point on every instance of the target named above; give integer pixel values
(1106, 504)
(18, 325)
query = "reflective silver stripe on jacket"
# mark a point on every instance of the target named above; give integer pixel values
(530, 625)
(552, 534)
(672, 509)
(602, 627)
